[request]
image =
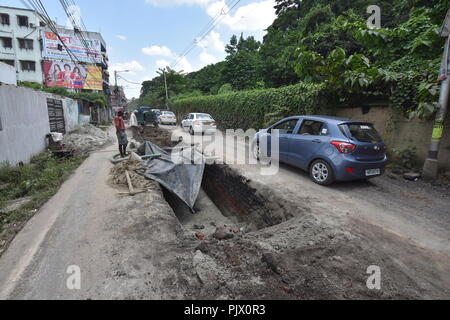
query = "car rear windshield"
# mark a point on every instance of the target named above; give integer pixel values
(204, 117)
(168, 113)
(363, 132)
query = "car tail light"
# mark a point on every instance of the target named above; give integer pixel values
(197, 123)
(349, 170)
(344, 147)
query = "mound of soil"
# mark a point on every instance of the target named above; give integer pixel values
(158, 136)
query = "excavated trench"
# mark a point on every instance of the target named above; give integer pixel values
(226, 197)
(311, 257)
(229, 198)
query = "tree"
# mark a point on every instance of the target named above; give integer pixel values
(243, 63)
(208, 80)
(231, 48)
(153, 92)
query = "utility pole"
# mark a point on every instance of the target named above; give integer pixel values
(167, 91)
(431, 167)
(117, 91)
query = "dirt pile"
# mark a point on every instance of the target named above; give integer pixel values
(85, 139)
(158, 136)
(118, 176)
(305, 258)
(284, 248)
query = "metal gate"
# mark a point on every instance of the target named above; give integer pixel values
(56, 116)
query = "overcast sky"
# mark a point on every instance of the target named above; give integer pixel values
(144, 35)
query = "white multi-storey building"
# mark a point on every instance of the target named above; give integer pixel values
(20, 44)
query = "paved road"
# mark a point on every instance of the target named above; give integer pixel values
(63, 233)
(121, 244)
(414, 211)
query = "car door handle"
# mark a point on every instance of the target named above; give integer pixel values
(317, 141)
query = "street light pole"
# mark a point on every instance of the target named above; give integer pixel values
(431, 166)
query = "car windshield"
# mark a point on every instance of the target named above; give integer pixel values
(364, 132)
(204, 117)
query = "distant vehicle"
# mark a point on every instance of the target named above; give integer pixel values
(330, 149)
(157, 112)
(168, 117)
(145, 115)
(140, 114)
(199, 123)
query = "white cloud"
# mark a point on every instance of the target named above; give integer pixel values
(121, 37)
(75, 13)
(133, 67)
(177, 2)
(255, 16)
(207, 59)
(212, 42)
(161, 64)
(158, 51)
(184, 65)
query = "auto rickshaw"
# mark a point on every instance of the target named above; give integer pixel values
(145, 116)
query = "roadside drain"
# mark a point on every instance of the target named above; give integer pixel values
(229, 198)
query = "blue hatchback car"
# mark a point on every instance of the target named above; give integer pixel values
(330, 149)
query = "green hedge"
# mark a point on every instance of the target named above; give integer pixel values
(256, 109)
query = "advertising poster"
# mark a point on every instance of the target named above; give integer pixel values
(72, 76)
(73, 43)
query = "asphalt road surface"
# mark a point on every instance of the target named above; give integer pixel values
(86, 224)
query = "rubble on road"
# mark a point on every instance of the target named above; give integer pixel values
(118, 176)
(208, 272)
(85, 139)
(224, 233)
(412, 176)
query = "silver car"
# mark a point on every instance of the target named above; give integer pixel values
(199, 123)
(168, 117)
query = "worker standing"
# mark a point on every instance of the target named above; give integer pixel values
(121, 134)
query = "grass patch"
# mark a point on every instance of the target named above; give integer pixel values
(39, 181)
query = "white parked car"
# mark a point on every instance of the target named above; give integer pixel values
(201, 123)
(168, 117)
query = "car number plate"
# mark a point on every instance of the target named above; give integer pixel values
(373, 172)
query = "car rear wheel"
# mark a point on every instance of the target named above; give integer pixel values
(322, 173)
(191, 131)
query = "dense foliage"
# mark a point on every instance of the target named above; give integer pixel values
(327, 43)
(255, 108)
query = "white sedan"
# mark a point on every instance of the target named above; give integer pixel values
(199, 123)
(168, 117)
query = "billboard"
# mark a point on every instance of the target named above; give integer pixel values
(93, 53)
(72, 76)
